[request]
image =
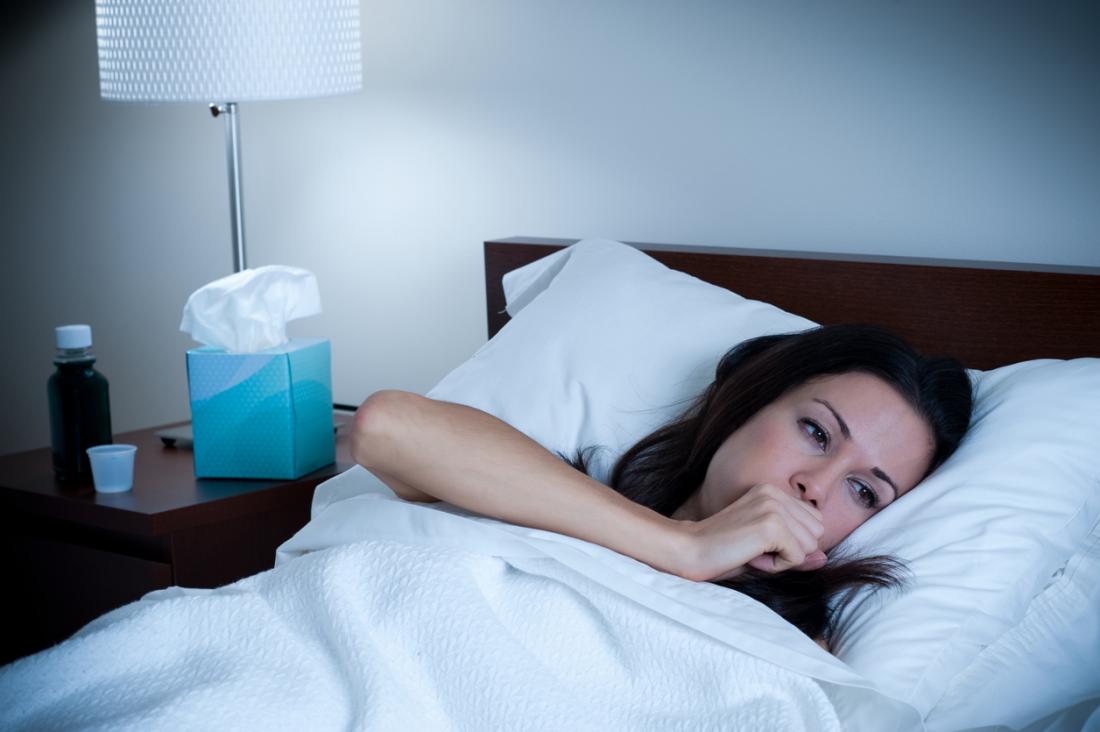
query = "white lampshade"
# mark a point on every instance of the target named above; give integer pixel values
(227, 50)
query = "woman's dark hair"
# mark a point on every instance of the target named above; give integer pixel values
(663, 469)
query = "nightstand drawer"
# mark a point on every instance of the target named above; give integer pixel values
(61, 586)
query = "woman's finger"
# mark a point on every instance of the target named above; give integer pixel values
(802, 525)
(805, 513)
(815, 560)
(771, 562)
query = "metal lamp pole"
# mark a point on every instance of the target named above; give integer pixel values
(236, 195)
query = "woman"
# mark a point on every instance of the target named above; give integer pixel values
(800, 439)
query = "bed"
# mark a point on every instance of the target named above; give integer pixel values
(386, 615)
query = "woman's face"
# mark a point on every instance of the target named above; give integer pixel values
(847, 443)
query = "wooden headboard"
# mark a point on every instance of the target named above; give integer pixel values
(987, 314)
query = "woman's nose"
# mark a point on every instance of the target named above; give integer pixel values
(810, 489)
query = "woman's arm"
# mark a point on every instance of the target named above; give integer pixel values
(425, 449)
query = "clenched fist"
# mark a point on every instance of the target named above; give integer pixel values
(767, 528)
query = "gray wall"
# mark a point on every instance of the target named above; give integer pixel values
(946, 129)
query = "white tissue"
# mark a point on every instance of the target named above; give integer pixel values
(248, 311)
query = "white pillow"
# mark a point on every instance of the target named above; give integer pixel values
(1049, 660)
(608, 344)
(984, 533)
(606, 351)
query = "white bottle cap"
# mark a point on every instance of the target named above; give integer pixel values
(73, 336)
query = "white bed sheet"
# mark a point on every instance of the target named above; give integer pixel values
(355, 506)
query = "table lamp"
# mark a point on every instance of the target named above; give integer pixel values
(222, 52)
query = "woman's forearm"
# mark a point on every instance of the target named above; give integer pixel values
(426, 449)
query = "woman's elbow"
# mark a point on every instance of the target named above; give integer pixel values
(376, 425)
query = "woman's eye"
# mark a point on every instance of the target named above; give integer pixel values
(816, 433)
(865, 494)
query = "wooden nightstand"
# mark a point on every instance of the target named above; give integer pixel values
(71, 554)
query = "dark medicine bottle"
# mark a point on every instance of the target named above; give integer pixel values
(80, 411)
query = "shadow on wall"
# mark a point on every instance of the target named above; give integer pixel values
(21, 20)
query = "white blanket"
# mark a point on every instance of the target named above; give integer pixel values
(393, 616)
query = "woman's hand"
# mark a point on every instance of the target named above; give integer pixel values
(767, 528)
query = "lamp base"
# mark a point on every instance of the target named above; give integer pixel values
(179, 436)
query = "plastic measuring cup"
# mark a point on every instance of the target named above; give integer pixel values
(112, 467)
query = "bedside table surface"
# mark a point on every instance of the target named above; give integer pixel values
(166, 494)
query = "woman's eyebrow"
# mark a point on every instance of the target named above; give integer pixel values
(882, 474)
(877, 472)
(839, 420)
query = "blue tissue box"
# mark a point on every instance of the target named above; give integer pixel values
(262, 415)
